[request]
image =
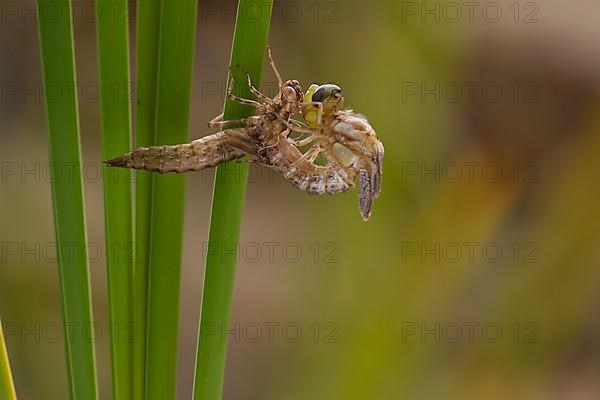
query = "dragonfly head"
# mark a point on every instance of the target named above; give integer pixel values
(330, 95)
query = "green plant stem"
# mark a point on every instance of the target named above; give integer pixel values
(7, 387)
(176, 59)
(58, 67)
(113, 69)
(250, 37)
(148, 27)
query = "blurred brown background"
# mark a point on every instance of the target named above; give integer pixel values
(477, 276)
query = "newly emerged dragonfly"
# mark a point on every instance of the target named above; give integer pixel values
(347, 141)
(346, 137)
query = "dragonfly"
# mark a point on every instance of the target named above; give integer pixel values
(347, 141)
(345, 136)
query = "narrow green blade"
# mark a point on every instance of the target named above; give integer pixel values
(148, 28)
(113, 67)
(250, 37)
(7, 387)
(176, 59)
(58, 67)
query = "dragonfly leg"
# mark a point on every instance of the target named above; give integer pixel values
(255, 91)
(273, 67)
(298, 123)
(241, 100)
(215, 121)
(296, 128)
(311, 155)
(284, 134)
(303, 142)
(218, 122)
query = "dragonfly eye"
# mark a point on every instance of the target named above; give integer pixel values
(319, 95)
(326, 91)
